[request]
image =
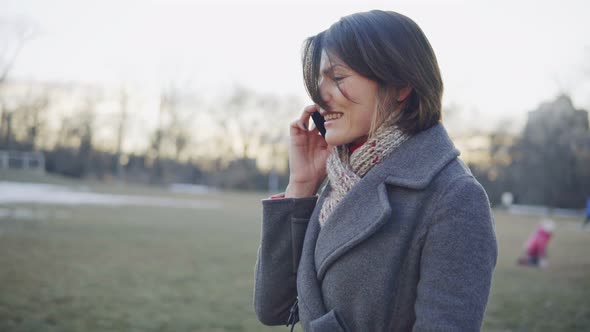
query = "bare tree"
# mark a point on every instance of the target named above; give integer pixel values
(19, 31)
(178, 110)
(172, 135)
(32, 118)
(16, 33)
(23, 118)
(121, 129)
(242, 122)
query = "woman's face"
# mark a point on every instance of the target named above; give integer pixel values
(348, 120)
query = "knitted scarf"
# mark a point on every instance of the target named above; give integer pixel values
(345, 169)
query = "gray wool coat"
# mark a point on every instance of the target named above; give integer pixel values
(410, 248)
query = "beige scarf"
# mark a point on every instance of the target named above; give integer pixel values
(345, 169)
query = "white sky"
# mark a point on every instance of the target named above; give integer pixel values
(499, 58)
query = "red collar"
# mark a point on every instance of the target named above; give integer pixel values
(353, 147)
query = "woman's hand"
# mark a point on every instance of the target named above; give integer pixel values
(308, 152)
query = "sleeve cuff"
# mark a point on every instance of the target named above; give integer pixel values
(300, 207)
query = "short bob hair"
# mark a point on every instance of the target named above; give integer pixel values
(390, 49)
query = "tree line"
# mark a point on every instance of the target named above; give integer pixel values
(547, 163)
(235, 142)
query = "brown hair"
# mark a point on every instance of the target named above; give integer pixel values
(390, 49)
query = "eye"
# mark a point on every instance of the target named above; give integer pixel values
(338, 78)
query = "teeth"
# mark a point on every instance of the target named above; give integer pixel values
(332, 116)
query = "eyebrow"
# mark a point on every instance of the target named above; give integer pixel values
(331, 68)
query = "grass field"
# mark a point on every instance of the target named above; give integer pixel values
(96, 268)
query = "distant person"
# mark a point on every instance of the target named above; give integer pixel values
(587, 218)
(402, 237)
(535, 249)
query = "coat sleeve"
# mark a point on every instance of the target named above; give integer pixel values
(284, 222)
(457, 261)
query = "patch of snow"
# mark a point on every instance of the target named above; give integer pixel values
(543, 211)
(20, 192)
(190, 188)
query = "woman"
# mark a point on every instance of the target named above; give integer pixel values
(401, 238)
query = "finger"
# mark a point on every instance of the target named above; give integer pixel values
(311, 108)
(327, 146)
(296, 127)
(302, 125)
(318, 138)
(316, 131)
(307, 114)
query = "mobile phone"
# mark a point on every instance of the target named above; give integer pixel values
(318, 119)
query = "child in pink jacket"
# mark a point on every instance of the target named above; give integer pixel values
(535, 249)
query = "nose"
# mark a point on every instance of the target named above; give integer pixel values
(325, 92)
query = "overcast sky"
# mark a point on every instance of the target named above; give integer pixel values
(498, 58)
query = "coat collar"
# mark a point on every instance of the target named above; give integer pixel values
(413, 165)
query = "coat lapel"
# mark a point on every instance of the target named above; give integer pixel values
(366, 208)
(346, 227)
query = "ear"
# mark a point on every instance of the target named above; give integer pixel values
(403, 93)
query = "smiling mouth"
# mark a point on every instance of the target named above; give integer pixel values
(332, 116)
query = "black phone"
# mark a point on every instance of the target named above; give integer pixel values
(318, 119)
